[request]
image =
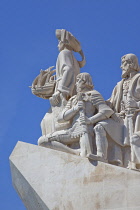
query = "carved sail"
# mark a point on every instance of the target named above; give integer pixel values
(44, 84)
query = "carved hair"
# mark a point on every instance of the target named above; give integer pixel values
(70, 42)
(132, 60)
(87, 79)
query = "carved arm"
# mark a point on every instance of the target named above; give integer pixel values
(104, 113)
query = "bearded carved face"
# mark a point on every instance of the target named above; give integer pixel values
(80, 85)
(129, 64)
(126, 67)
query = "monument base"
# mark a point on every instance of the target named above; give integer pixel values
(54, 180)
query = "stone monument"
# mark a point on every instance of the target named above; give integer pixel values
(88, 145)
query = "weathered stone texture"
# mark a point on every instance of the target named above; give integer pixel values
(54, 180)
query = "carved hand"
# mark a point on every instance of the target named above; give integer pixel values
(55, 98)
(65, 95)
(87, 120)
(79, 105)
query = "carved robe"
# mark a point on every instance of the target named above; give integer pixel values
(134, 92)
(67, 68)
(117, 98)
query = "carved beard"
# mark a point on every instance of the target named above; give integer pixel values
(125, 73)
(79, 95)
(78, 89)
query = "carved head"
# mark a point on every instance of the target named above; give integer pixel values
(84, 82)
(67, 40)
(129, 64)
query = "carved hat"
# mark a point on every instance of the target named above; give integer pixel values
(67, 38)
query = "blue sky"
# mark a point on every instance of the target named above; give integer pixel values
(107, 29)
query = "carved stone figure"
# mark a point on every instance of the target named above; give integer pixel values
(67, 68)
(83, 123)
(83, 111)
(125, 101)
(46, 84)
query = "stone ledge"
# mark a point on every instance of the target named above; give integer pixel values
(54, 180)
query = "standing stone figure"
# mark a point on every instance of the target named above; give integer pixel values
(67, 68)
(125, 101)
(83, 111)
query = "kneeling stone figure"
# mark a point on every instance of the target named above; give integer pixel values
(83, 110)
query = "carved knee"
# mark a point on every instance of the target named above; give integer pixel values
(99, 129)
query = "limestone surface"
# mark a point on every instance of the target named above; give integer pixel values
(55, 180)
(79, 121)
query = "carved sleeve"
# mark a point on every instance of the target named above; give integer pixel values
(68, 113)
(104, 111)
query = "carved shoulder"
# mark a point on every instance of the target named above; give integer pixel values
(70, 102)
(135, 87)
(96, 98)
(65, 52)
(65, 58)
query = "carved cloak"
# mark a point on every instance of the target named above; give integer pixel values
(67, 68)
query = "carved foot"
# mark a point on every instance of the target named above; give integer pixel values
(116, 162)
(46, 138)
(50, 142)
(42, 140)
(96, 157)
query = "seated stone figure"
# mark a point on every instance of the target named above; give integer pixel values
(83, 111)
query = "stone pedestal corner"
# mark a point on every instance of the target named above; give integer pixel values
(54, 180)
